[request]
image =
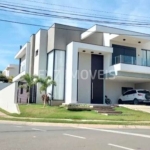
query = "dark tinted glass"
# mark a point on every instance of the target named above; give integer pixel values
(127, 93)
(144, 92)
(133, 92)
(130, 92)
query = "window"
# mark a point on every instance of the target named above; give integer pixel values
(59, 74)
(50, 69)
(36, 53)
(56, 69)
(126, 93)
(144, 92)
(126, 53)
(146, 57)
(125, 89)
(130, 92)
(21, 91)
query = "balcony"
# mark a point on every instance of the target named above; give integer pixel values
(127, 66)
(131, 60)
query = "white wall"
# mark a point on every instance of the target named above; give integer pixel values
(145, 86)
(106, 39)
(8, 97)
(113, 89)
(11, 71)
(36, 58)
(3, 85)
(107, 61)
(128, 68)
(84, 78)
(71, 73)
(14, 71)
(41, 59)
(96, 39)
(23, 63)
(27, 57)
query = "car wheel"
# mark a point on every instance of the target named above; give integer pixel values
(135, 102)
(120, 101)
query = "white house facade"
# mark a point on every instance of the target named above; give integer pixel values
(86, 64)
(11, 70)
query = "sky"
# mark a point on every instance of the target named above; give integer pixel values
(14, 35)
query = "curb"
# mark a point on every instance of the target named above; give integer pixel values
(74, 125)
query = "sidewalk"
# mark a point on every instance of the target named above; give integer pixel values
(75, 125)
(138, 107)
(68, 120)
(4, 115)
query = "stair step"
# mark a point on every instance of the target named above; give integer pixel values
(110, 112)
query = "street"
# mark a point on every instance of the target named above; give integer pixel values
(29, 137)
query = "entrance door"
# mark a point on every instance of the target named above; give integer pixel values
(97, 79)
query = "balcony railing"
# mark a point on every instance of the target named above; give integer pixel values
(131, 60)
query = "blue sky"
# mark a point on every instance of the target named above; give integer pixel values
(14, 35)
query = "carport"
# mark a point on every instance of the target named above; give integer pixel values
(115, 87)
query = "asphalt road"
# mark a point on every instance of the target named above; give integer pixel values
(23, 137)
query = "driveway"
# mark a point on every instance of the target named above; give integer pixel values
(138, 107)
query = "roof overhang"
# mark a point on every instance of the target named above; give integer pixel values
(9, 67)
(21, 52)
(114, 32)
(88, 48)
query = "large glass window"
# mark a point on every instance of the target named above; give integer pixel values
(50, 68)
(146, 57)
(56, 69)
(59, 74)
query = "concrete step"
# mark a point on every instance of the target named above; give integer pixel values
(117, 112)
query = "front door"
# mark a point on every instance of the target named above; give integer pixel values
(97, 80)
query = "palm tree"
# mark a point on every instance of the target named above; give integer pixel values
(29, 82)
(45, 83)
(10, 79)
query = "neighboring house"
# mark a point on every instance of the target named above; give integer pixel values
(87, 64)
(11, 70)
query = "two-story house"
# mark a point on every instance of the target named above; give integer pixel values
(87, 64)
(11, 70)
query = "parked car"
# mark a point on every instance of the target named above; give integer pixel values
(135, 96)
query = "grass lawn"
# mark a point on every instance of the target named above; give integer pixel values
(36, 111)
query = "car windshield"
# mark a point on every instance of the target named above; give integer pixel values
(144, 92)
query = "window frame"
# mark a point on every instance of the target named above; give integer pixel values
(53, 72)
(146, 53)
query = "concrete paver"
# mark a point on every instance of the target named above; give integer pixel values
(138, 107)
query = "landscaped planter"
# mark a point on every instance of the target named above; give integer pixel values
(81, 107)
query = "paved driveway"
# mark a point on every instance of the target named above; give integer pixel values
(138, 107)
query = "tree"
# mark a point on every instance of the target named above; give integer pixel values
(29, 82)
(10, 79)
(3, 78)
(45, 83)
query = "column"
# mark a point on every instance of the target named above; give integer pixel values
(71, 73)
